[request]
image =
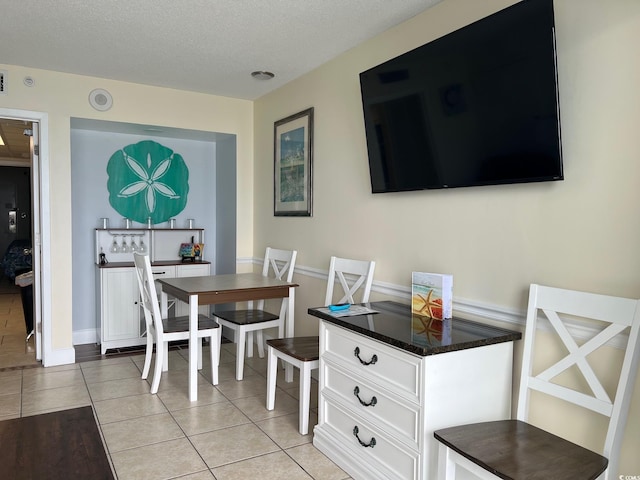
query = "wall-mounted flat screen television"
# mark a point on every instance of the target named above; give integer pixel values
(478, 106)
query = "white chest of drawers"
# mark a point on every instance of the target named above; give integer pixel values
(379, 404)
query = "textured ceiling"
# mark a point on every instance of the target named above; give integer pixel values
(208, 46)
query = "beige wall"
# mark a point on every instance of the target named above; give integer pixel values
(582, 233)
(63, 96)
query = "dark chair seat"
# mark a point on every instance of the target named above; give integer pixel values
(181, 324)
(304, 352)
(278, 264)
(512, 449)
(305, 349)
(246, 317)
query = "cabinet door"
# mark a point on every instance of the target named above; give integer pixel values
(193, 270)
(120, 304)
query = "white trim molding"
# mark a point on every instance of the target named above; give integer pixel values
(509, 318)
(42, 238)
(83, 337)
(61, 356)
(504, 317)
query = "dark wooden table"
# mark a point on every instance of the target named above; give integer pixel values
(215, 289)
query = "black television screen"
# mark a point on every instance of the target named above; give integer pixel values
(478, 106)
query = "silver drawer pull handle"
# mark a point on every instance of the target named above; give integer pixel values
(371, 444)
(373, 360)
(372, 403)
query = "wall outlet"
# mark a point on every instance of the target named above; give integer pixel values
(3, 82)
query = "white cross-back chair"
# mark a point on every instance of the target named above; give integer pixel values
(244, 322)
(356, 278)
(162, 331)
(516, 449)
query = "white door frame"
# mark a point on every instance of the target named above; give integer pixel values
(41, 232)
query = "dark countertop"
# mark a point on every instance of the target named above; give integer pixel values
(157, 263)
(395, 326)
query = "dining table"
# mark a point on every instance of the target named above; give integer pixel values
(217, 289)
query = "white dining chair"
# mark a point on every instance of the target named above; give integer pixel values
(356, 278)
(243, 322)
(161, 331)
(516, 448)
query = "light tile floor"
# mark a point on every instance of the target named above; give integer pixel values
(14, 350)
(227, 434)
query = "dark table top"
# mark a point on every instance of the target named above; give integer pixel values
(226, 288)
(395, 326)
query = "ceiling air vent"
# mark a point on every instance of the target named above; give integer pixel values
(100, 99)
(3, 82)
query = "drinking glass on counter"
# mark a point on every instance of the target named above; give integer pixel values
(134, 246)
(114, 246)
(143, 247)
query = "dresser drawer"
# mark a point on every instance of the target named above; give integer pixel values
(163, 271)
(192, 270)
(366, 358)
(382, 407)
(390, 457)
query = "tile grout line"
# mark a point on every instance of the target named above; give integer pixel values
(250, 421)
(99, 425)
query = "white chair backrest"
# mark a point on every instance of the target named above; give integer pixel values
(148, 293)
(353, 276)
(619, 316)
(282, 264)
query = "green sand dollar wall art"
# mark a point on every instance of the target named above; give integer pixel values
(147, 179)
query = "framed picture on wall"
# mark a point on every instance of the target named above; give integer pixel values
(293, 160)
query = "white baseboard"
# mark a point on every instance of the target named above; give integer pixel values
(63, 356)
(83, 337)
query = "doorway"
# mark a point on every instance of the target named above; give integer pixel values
(17, 342)
(20, 291)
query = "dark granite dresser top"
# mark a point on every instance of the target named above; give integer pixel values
(395, 326)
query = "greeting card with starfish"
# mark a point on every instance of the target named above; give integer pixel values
(431, 295)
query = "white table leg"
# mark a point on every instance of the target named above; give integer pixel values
(193, 348)
(164, 304)
(290, 312)
(288, 368)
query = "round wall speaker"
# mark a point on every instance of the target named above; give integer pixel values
(100, 99)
